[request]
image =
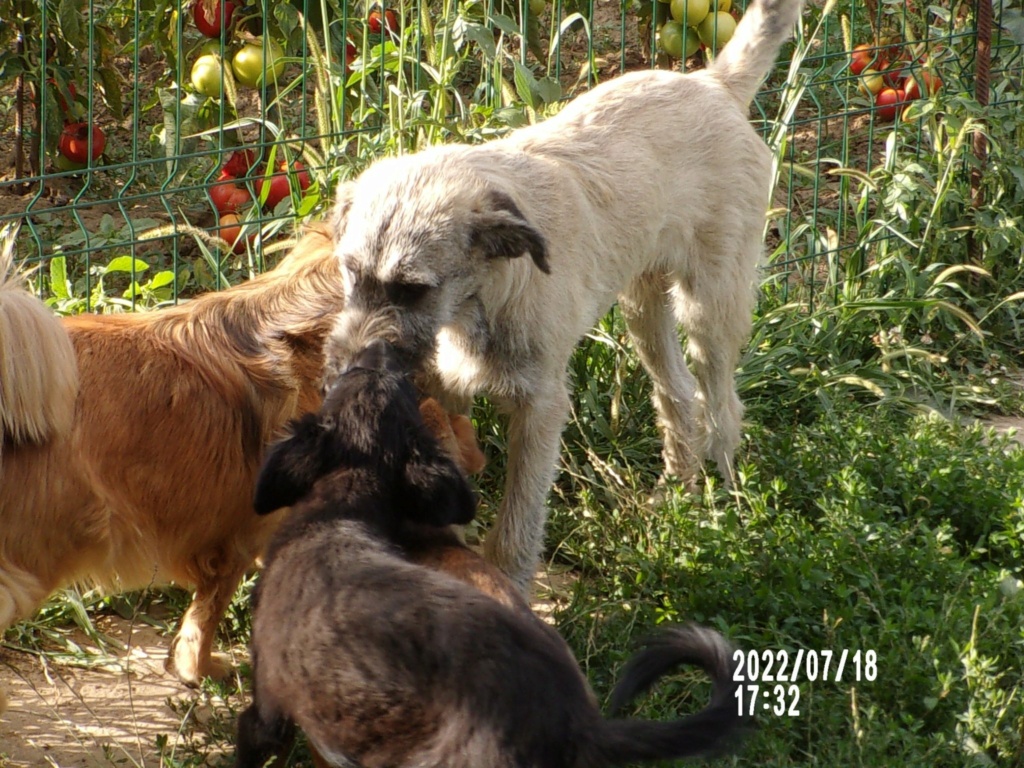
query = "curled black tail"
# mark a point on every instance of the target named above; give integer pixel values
(713, 729)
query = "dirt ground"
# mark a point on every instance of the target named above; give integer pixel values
(68, 716)
(125, 710)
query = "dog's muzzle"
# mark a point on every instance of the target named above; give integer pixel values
(378, 355)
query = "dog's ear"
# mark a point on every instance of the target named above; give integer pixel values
(291, 467)
(343, 197)
(436, 490)
(501, 231)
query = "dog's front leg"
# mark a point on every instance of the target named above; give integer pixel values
(191, 657)
(535, 427)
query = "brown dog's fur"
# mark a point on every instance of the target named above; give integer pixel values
(440, 548)
(150, 480)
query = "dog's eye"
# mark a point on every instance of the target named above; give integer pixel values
(406, 293)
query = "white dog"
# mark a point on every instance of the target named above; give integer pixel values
(651, 188)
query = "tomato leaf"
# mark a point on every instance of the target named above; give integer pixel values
(69, 19)
(125, 264)
(525, 83)
(110, 86)
(59, 277)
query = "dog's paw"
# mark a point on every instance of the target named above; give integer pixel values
(218, 666)
(184, 663)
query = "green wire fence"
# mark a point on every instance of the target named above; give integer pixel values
(160, 148)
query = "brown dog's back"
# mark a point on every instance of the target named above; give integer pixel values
(152, 479)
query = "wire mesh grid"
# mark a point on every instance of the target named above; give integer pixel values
(195, 163)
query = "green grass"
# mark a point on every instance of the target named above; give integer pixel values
(873, 530)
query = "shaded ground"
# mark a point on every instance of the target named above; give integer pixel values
(124, 710)
(111, 714)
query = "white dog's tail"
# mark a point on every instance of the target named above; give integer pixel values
(38, 372)
(748, 57)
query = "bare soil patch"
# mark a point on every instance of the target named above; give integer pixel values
(121, 708)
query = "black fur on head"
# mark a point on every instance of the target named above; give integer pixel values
(370, 420)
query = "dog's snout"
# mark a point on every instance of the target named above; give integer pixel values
(378, 355)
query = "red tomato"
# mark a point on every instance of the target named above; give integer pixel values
(207, 15)
(864, 56)
(239, 163)
(301, 174)
(277, 189)
(390, 19)
(74, 142)
(279, 185)
(889, 102)
(896, 74)
(227, 195)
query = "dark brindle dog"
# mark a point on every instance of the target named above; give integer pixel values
(385, 662)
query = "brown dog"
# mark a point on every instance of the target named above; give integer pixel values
(440, 548)
(131, 442)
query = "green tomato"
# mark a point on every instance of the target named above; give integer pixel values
(670, 39)
(696, 11)
(692, 42)
(206, 75)
(721, 5)
(716, 30)
(248, 63)
(62, 163)
(213, 47)
(537, 7)
(678, 41)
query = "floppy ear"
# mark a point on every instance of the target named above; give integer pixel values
(502, 231)
(291, 467)
(436, 493)
(343, 196)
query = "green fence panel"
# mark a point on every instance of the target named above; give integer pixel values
(150, 159)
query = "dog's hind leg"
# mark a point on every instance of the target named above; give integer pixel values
(646, 307)
(261, 738)
(191, 657)
(715, 307)
(20, 594)
(517, 540)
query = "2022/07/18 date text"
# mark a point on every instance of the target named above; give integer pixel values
(757, 669)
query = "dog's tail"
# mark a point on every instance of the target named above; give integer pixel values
(38, 372)
(748, 57)
(714, 729)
